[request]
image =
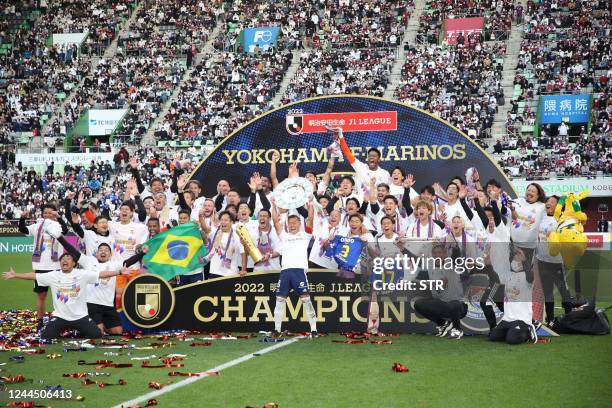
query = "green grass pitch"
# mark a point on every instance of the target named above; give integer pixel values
(571, 371)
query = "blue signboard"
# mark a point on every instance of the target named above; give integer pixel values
(264, 37)
(565, 108)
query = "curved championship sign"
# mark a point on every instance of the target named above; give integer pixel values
(246, 304)
(421, 144)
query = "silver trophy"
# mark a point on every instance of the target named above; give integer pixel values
(292, 193)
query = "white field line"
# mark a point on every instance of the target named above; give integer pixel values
(204, 374)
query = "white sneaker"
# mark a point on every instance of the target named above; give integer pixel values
(455, 334)
(444, 329)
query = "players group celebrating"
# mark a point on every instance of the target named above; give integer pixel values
(342, 226)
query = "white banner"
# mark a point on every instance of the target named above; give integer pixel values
(599, 187)
(69, 38)
(104, 121)
(75, 159)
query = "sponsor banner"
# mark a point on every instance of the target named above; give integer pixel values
(69, 38)
(598, 241)
(349, 121)
(24, 244)
(246, 304)
(75, 159)
(264, 37)
(423, 145)
(10, 230)
(599, 187)
(16, 245)
(565, 108)
(104, 121)
(466, 26)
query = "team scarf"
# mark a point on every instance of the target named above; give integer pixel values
(418, 229)
(264, 245)
(38, 247)
(463, 241)
(216, 244)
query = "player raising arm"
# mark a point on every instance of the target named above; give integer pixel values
(294, 263)
(69, 289)
(365, 172)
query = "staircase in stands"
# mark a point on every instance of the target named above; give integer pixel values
(109, 52)
(408, 39)
(149, 137)
(513, 47)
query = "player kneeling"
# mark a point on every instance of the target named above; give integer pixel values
(69, 289)
(447, 306)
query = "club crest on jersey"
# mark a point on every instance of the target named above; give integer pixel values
(294, 124)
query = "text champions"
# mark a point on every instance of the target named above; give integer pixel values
(314, 154)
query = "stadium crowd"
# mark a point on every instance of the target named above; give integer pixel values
(24, 189)
(349, 71)
(139, 84)
(461, 84)
(37, 75)
(498, 16)
(168, 29)
(224, 91)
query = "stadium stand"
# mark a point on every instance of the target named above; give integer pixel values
(324, 48)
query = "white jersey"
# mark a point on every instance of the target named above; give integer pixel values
(400, 226)
(498, 248)
(267, 243)
(548, 225)
(252, 226)
(224, 252)
(421, 237)
(294, 250)
(386, 248)
(127, 236)
(451, 210)
(322, 232)
(92, 241)
(258, 204)
(46, 247)
(196, 207)
(518, 296)
(524, 230)
(101, 292)
(69, 291)
(430, 231)
(465, 242)
(344, 222)
(365, 174)
(398, 192)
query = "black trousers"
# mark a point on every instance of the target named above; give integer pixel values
(495, 293)
(552, 274)
(515, 332)
(86, 326)
(438, 311)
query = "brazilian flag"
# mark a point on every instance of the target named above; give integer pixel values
(176, 251)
